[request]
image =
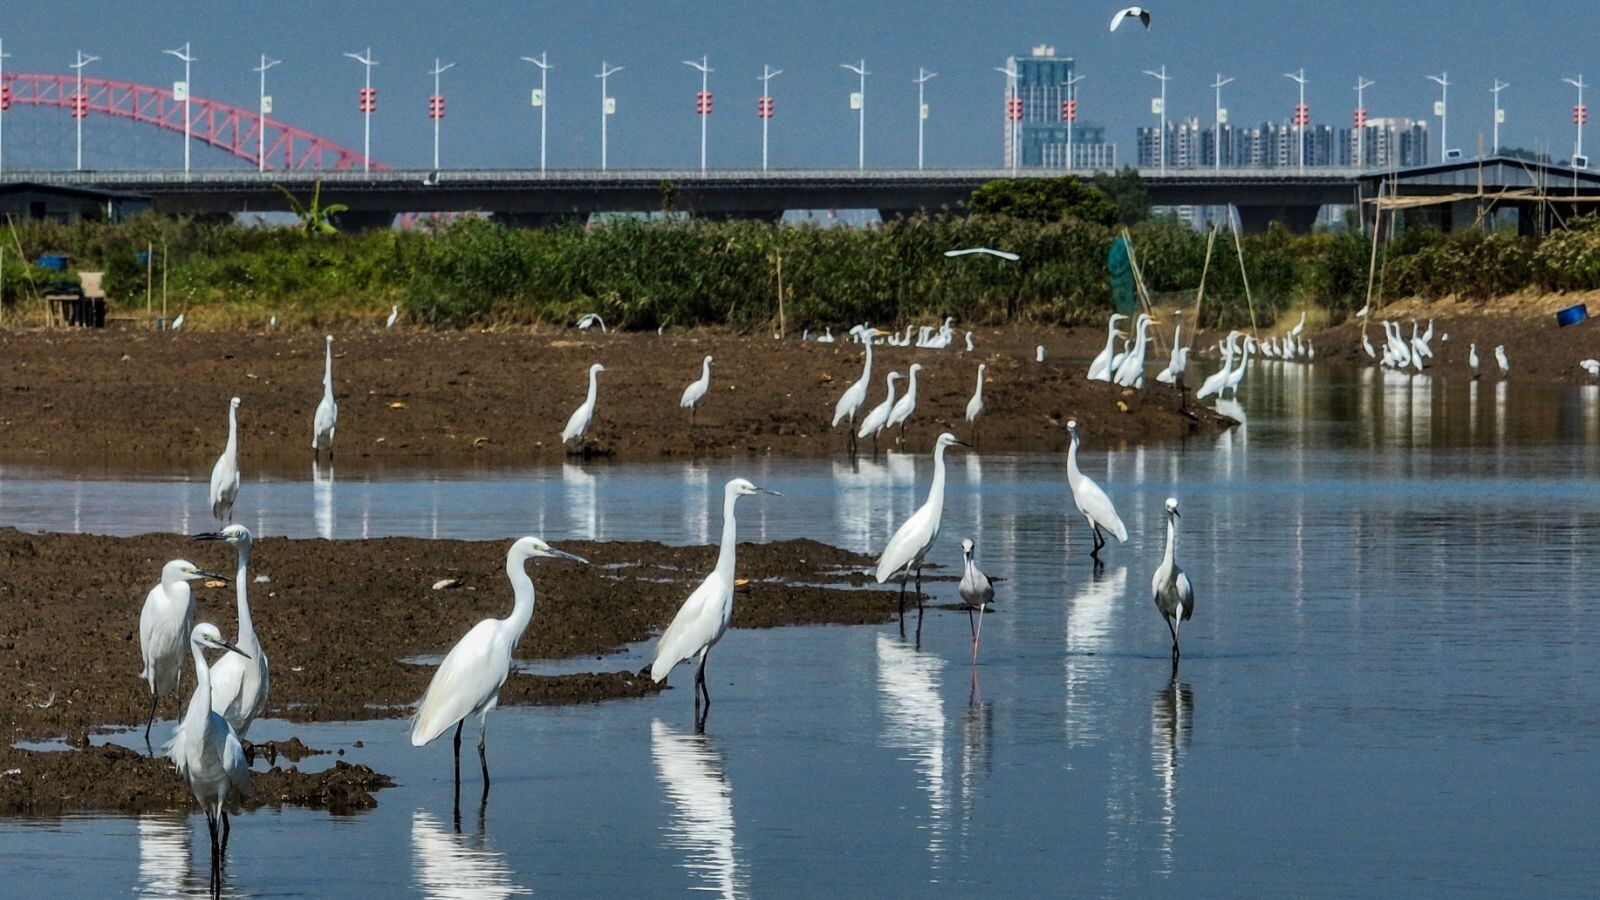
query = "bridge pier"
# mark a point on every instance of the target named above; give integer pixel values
(1254, 219)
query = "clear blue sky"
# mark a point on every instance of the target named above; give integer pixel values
(490, 123)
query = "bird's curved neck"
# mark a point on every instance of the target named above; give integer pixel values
(1073, 474)
(729, 537)
(522, 591)
(979, 390)
(936, 490)
(327, 372)
(200, 703)
(866, 367)
(705, 369)
(241, 592)
(1172, 532)
(594, 385)
(911, 383)
(233, 430)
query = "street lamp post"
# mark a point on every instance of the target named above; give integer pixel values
(436, 106)
(1013, 114)
(1499, 113)
(1216, 144)
(859, 101)
(369, 102)
(1161, 110)
(1072, 113)
(608, 106)
(80, 103)
(702, 106)
(923, 77)
(3, 57)
(263, 106)
(1444, 113)
(187, 59)
(1580, 116)
(1361, 120)
(1302, 114)
(764, 107)
(539, 100)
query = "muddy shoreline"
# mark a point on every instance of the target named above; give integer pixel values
(130, 397)
(338, 618)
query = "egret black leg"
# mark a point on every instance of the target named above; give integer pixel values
(151, 721)
(483, 756)
(458, 765)
(919, 590)
(701, 713)
(1098, 543)
(227, 828)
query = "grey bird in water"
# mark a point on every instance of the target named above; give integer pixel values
(1174, 595)
(976, 593)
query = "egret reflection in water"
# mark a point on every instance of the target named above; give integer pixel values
(322, 499)
(908, 689)
(690, 770)
(164, 857)
(1088, 635)
(1171, 728)
(453, 866)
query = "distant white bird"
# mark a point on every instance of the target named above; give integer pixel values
(1299, 327)
(1592, 366)
(827, 336)
(1000, 253)
(975, 405)
(578, 424)
(394, 316)
(878, 419)
(164, 626)
(1237, 375)
(1038, 353)
(1132, 12)
(1178, 360)
(207, 753)
(1366, 345)
(1500, 359)
(905, 406)
(591, 320)
(225, 473)
(1131, 372)
(326, 418)
(1100, 368)
(1174, 595)
(272, 324)
(849, 403)
(239, 686)
(178, 322)
(468, 681)
(1219, 379)
(976, 593)
(969, 342)
(703, 619)
(915, 537)
(696, 391)
(1472, 359)
(1091, 501)
(1362, 312)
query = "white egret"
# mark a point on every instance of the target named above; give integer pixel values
(913, 539)
(394, 316)
(1237, 375)
(827, 336)
(878, 419)
(578, 424)
(1501, 361)
(969, 342)
(975, 405)
(272, 323)
(225, 474)
(1178, 361)
(1038, 353)
(1366, 347)
(1299, 327)
(1174, 595)
(1100, 368)
(239, 686)
(468, 681)
(1132, 12)
(1003, 254)
(164, 626)
(1592, 366)
(905, 406)
(1131, 372)
(703, 619)
(696, 391)
(178, 322)
(327, 415)
(591, 320)
(1472, 359)
(207, 753)
(1219, 378)
(1091, 501)
(856, 394)
(976, 593)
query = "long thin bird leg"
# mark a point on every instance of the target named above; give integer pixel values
(226, 829)
(919, 588)
(483, 757)
(701, 713)
(1174, 631)
(977, 637)
(458, 766)
(151, 721)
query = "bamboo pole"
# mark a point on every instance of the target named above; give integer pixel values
(1243, 275)
(1211, 240)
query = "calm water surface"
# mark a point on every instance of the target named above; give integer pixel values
(1387, 689)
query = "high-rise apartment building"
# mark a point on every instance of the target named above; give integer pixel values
(1387, 143)
(1042, 86)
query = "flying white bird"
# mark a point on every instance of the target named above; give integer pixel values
(703, 619)
(1000, 253)
(976, 593)
(578, 423)
(878, 419)
(1132, 12)
(239, 684)
(1091, 501)
(915, 537)
(394, 316)
(225, 474)
(208, 754)
(468, 681)
(696, 391)
(164, 626)
(326, 418)
(905, 406)
(1174, 595)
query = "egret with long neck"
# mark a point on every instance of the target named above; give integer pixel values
(850, 401)
(327, 415)
(578, 423)
(164, 626)
(1100, 369)
(225, 474)
(207, 753)
(975, 405)
(1174, 595)
(239, 683)
(1091, 501)
(914, 538)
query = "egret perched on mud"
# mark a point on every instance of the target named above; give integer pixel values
(394, 316)
(468, 681)
(905, 406)
(696, 391)
(578, 424)
(164, 626)
(178, 322)
(1174, 595)
(913, 539)
(975, 405)
(225, 474)
(703, 619)
(1472, 359)
(1501, 361)
(327, 416)
(239, 686)
(1091, 501)
(1100, 368)
(207, 753)
(1178, 361)
(1131, 372)
(878, 419)
(591, 320)
(856, 394)
(976, 593)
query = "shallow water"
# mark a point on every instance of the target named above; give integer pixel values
(1386, 689)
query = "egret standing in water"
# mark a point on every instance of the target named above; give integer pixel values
(976, 593)
(239, 685)
(207, 753)
(914, 538)
(578, 424)
(1174, 595)
(696, 391)
(703, 619)
(856, 394)
(225, 474)
(164, 626)
(1501, 361)
(468, 681)
(905, 406)
(327, 416)
(878, 419)
(975, 405)
(1472, 358)
(1091, 501)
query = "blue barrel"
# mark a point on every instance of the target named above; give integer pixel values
(1572, 315)
(57, 263)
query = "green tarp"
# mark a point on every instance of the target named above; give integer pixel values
(1122, 296)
